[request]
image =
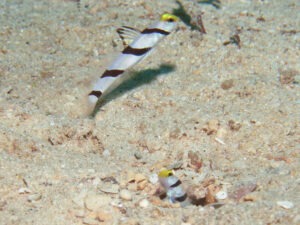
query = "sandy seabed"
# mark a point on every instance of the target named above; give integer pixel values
(226, 116)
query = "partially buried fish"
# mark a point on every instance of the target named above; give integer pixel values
(173, 187)
(138, 49)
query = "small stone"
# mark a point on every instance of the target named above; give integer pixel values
(139, 177)
(132, 187)
(195, 160)
(79, 213)
(221, 133)
(126, 195)
(175, 133)
(110, 179)
(227, 84)
(34, 197)
(138, 155)
(24, 190)
(142, 185)
(106, 153)
(153, 178)
(251, 197)
(234, 126)
(285, 204)
(211, 126)
(104, 216)
(210, 195)
(94, 202)
(140, 181)
(92, 171)
(144, 203)
(221, 195)
(130, 177)
(110, 188)
(176, 165)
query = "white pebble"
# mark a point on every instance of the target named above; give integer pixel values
(91, 171)
(144, 203)
(34, 197)
(106, 152)
(125, 195)
(221, 195)
(110, 188)
(285, 204)
(96, 181)
(24, 190)
(79, 213)
(153, 178)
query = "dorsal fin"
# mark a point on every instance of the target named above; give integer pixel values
(128, 34)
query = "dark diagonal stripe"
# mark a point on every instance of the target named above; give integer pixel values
(155, 30)
(135, 51)
(112, 73)
(178, 182)
(181, 198)
(96, 93)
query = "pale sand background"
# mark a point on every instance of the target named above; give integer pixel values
(50, 52)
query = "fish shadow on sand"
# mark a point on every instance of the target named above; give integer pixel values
(184, 16)
(135, 79)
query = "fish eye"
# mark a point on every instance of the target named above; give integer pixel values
(171, 20)
(170, 174)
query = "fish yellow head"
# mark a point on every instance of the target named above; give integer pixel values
(166, 17)
(165, 173)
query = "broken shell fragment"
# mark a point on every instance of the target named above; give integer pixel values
(285, 204)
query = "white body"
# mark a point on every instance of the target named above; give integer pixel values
(173, 192)
(147, 40)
